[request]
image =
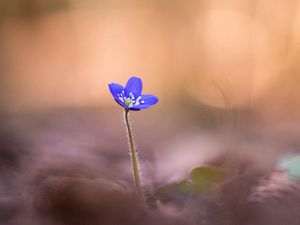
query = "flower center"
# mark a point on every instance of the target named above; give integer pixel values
(131, 101)
(128, 101)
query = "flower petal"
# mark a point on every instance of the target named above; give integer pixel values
(135, 86)
(116, 89)
(121, 103)
(145, 101)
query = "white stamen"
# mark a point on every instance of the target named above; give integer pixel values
(131, 100)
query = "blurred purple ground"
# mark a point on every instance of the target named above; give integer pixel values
(71, 166)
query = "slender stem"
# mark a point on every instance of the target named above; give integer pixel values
(136, 174)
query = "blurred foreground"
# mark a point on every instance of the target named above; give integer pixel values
(71, 166)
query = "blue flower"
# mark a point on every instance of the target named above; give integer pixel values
(131, 97)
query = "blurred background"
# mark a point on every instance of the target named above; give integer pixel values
(226, 73)
(59, 53)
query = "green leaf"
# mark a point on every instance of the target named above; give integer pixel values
(201, 181)
(292, 166)
(205, 178)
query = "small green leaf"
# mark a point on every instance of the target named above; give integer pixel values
(201, 181)
(292, 166)
(205, 178)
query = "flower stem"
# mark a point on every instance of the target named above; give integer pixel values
(136, 173)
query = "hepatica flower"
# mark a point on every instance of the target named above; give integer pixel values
(131, 97)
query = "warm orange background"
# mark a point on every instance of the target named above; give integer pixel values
(241, 54)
